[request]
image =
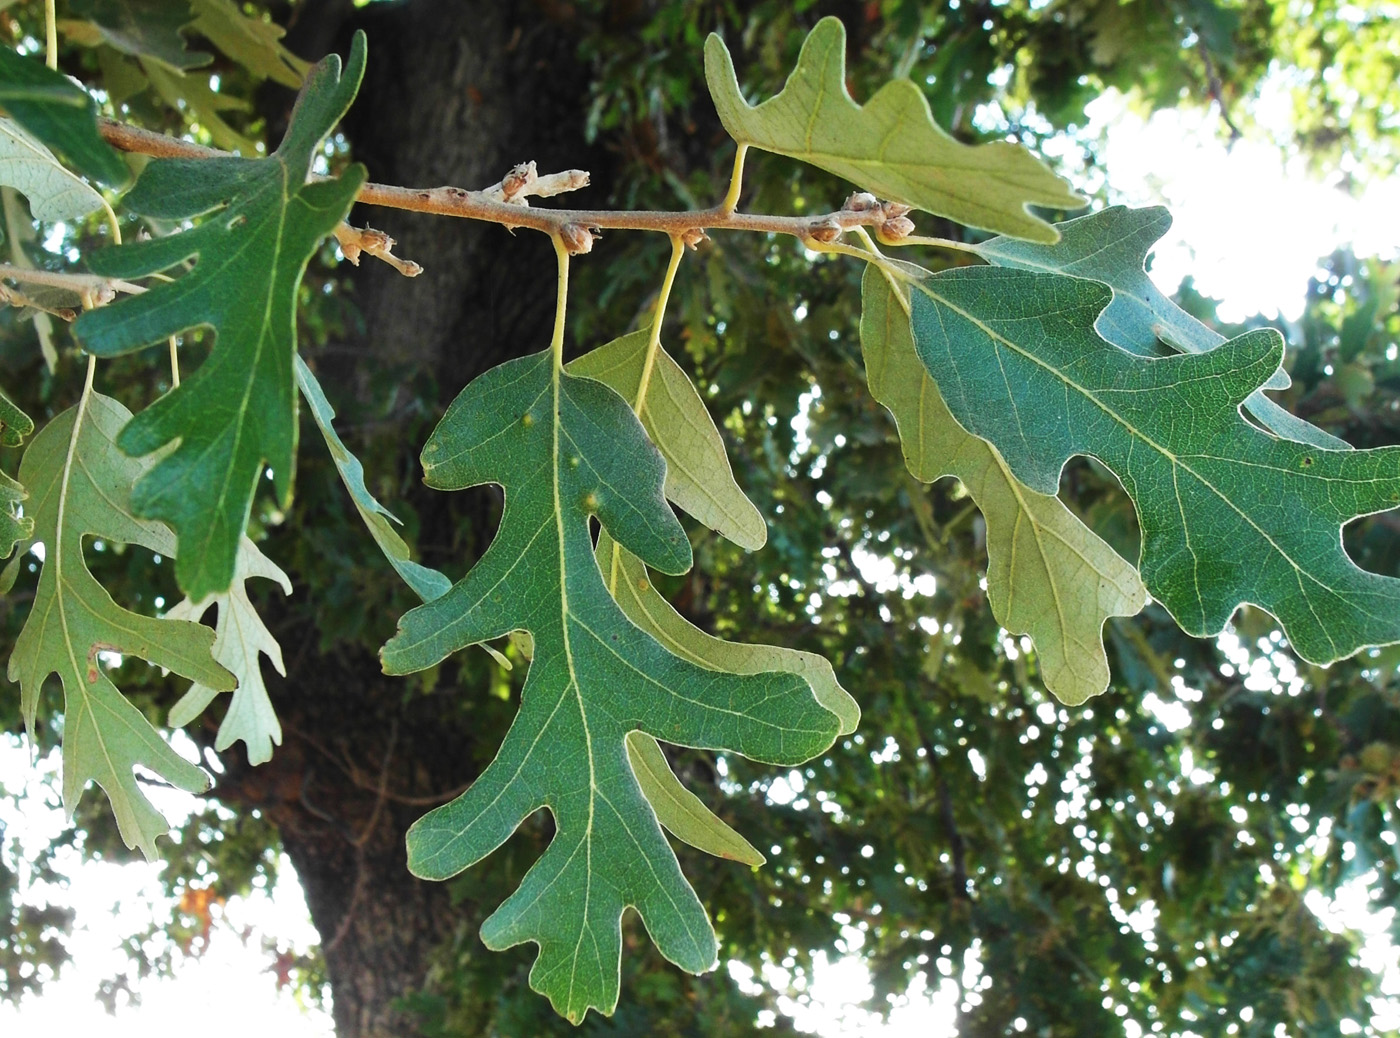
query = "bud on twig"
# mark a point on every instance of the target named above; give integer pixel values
(825, 231)
(578, 239)
(514, 182)
(557, 183)
(355, 240)
(897, 229)
(694, 237)
(860, 202)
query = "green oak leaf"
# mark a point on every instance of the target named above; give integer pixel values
(566, 449)
(15, 425)
(238, 411)
(427, 583)
(1048, 575)
(190, 93)
(1111, 247)
(682, 813)
(60, 114)
(698, 477)
(890, 146)
(1229, 514)
(142, 28)
(241, 638)
(253, 43)
(53, 192)
(632, 589)
(679, 810)
(81, 485)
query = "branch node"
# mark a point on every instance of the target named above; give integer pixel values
(356, 240)
(693, 237)
(825, 230)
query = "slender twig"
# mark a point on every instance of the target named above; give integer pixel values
(1217, 92)
(86, 285)
(476, 205)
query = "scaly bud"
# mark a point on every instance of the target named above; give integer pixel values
(577, 238)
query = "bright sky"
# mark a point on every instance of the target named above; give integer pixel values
(1255, 228)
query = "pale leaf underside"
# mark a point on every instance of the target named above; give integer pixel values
(81, 486)
(1048, 575)
(890, 146)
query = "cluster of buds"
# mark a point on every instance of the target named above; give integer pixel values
(356, 240)
(523, 182)
(894, 223)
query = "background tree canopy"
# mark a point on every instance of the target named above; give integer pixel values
(1142, 863)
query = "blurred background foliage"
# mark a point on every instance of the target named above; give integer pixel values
(1152, 862)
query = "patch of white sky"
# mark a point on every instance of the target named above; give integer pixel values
(227, 991)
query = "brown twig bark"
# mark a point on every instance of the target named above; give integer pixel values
(478, 205)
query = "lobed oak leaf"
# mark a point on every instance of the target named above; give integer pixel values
(1229, 514)
(237, 412)
(889, 146)
(1048, 575)
(565, 450)
(81, 486)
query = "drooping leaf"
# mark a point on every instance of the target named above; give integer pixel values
(13, 526)
(190, 92)
(629, 585)
(427, 583)
(238, 411)
(81, 485)
(143, 28)
(254, 44)
(15, 425)
(681, 812)
(241, 637)
(1111, 247)
(698, 477)
(60, 114)
(566, 449)
(1048, 575)
(1229, 514)
(890, 146)
(53, 192)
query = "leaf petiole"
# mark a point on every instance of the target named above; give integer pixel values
(654, 342)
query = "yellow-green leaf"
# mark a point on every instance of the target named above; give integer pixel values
(1048, 575)
(682, 813)
(253, 43)
(81, 486)
(698, 477)
(890, 146)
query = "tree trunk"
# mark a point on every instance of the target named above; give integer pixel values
(455, 93)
